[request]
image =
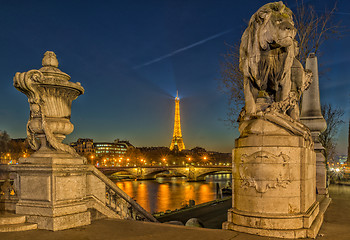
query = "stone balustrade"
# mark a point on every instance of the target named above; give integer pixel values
(103, 198)
(8, 191)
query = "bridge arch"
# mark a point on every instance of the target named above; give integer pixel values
(202, 176)
(193, 173)
(122, 172)
(154, 173)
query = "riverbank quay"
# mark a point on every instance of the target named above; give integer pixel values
(336, 226)
(211, 214)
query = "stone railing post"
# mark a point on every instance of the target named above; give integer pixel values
(311, 116)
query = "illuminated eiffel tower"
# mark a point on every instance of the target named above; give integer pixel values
(177, 141)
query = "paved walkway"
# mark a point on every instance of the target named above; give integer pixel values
(335, 227)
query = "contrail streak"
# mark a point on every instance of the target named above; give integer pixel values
(183, 49)
(342, 13)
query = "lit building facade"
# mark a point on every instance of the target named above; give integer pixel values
(111, 150)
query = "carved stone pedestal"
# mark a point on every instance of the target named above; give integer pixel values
(52, 190)
(274, 181)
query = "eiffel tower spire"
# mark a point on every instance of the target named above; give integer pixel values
(177, 141)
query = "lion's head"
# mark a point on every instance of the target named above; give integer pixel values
(268, 45)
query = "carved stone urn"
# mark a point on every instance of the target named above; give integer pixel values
(51, 182)
(50, 95)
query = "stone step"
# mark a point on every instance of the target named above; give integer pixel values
(18, 227)
(7, 218)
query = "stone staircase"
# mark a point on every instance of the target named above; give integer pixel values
(10, 222)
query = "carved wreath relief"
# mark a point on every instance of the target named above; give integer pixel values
(263, 170)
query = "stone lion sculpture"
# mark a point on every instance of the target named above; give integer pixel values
(273, 77)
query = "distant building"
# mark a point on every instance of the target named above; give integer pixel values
(84, 146)
(150, 149)
(112, 150)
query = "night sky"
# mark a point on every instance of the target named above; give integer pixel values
(132, 56)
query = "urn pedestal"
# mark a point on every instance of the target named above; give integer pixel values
(52, 191)
(274, 187)
(52, 181)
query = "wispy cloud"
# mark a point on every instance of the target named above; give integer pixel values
(183, 49)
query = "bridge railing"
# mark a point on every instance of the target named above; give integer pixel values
(8, 188)
(101, 190)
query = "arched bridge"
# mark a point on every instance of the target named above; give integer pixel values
(193, 173)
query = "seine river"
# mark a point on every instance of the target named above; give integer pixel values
(170, 193)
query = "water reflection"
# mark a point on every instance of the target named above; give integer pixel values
(163, 196)
(171, 193)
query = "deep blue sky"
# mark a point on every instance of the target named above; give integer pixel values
(132, 56)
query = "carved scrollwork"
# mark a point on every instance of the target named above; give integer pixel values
(48, 117)
(263, 170)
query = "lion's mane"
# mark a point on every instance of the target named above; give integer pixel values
(262, 61)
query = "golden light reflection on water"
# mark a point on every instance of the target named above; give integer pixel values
(169, 194)
(142, 197)
(204, 193)
(126, 187)
(163, 197)
(189, 192)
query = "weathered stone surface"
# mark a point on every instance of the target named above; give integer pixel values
(53, 196)
(311, 116)
(52, 181)
(194, 222)
(273, 77)
(274, 165)
(61, 222)
(50, 95)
